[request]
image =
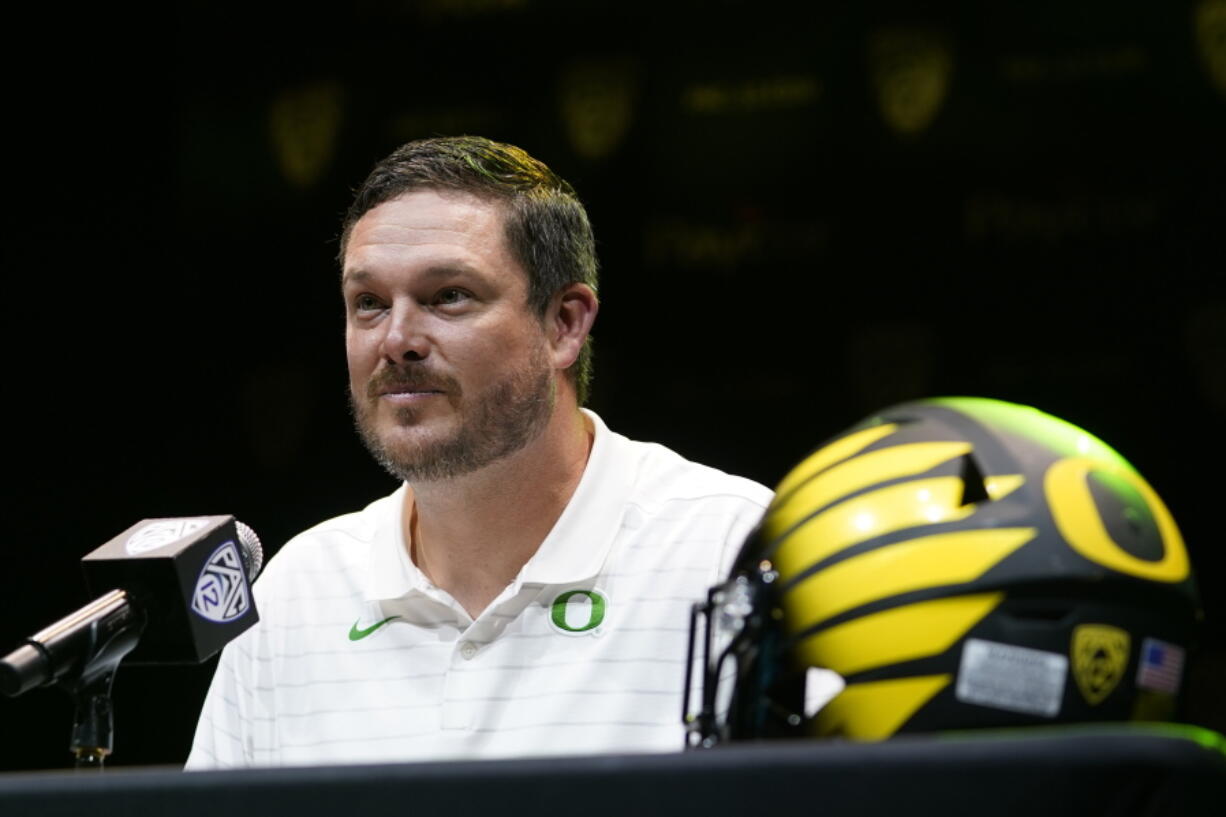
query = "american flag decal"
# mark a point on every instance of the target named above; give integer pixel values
(1160, 667)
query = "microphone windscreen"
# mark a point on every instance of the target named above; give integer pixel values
(252, 551)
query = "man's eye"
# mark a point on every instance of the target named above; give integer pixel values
(365, 303)
(450, 295)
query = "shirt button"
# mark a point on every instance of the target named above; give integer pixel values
(468, 649)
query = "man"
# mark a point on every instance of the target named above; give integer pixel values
(526, 589)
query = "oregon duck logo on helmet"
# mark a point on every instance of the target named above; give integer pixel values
(929, 525)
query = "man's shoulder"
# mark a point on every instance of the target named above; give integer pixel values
(665, 477)
(340, 542)
(685, 519)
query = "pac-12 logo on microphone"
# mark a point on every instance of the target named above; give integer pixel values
(221, 589)
(161, 532)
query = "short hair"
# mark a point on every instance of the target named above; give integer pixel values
(547, 228)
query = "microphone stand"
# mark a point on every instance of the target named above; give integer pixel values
(89, 683)
(114, 628)
(93, 723)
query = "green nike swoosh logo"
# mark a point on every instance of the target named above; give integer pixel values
(357, 635)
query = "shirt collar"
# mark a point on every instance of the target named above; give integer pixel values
(574, 550)
(392, 572)
(581, 538)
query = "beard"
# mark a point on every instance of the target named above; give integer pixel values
(500, 421)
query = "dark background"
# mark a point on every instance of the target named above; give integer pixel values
(806, 212)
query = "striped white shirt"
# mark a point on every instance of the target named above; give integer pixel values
(358, 658)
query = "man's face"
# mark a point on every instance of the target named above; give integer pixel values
(449, 368)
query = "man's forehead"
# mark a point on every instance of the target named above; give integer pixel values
(424, 201)
(358, 275)
(470, 228)
(416, 215)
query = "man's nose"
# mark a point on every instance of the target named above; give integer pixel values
(405, 338)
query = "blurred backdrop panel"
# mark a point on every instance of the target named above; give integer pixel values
(805, 213)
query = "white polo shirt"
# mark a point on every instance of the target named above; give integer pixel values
(358, 658)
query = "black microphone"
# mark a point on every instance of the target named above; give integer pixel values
(181, 592)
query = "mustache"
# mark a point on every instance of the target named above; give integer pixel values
(397, 378)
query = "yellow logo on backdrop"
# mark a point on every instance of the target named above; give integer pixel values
(597, 98)
(911, 70)
(1100, 656)
(303, 124)
(752, 94)
(1211, 39)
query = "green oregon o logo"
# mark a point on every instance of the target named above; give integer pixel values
(596, 610)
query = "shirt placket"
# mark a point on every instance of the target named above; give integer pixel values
(462, 687)
(468, 691)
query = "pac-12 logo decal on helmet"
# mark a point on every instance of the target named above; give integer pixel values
(576, 612)
(221, 593)
(1100, 655)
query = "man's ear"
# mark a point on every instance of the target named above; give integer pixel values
(568, 322)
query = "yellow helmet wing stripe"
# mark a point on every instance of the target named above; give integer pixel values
(832, 453)
(909, 504)
(916, 564)
(901, 634)
(856, 474)
(919, 502)
(1002, 485)
(875, 710)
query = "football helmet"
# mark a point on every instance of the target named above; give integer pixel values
(959, 563)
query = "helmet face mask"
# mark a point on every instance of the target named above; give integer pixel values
(960, 563)
(738, 625)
